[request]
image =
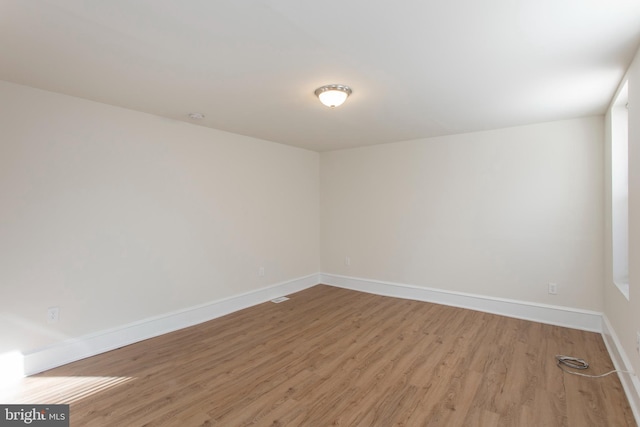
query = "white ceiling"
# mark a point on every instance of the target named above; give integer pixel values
(418, 68)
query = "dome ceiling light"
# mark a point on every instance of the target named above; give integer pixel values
(333, 95)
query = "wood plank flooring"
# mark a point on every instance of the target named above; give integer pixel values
(334, 357)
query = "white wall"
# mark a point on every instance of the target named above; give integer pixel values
(624, 314)
(116, 216)
(499, 213)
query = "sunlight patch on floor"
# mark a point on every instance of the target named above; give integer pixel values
(41, 389)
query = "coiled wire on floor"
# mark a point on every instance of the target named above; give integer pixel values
(563, 362)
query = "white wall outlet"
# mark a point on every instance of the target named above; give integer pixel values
(347, 260)
(553, 288)
(261, 272)
(53, 314)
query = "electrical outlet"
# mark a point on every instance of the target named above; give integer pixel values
(261, 272)
(553, 288)
(53, 314)
(347, 260)
(638, 342)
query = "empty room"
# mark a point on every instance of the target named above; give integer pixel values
(285, 213)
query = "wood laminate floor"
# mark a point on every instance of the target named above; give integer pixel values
(330, 356)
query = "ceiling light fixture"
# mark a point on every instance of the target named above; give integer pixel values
(333, 95)
(196, 116)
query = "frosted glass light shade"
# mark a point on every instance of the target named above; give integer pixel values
(333, 98)
(333, 95)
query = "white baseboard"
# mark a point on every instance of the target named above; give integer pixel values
(630, 383)
(562, 316)
(90, 345)
(555, 315)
